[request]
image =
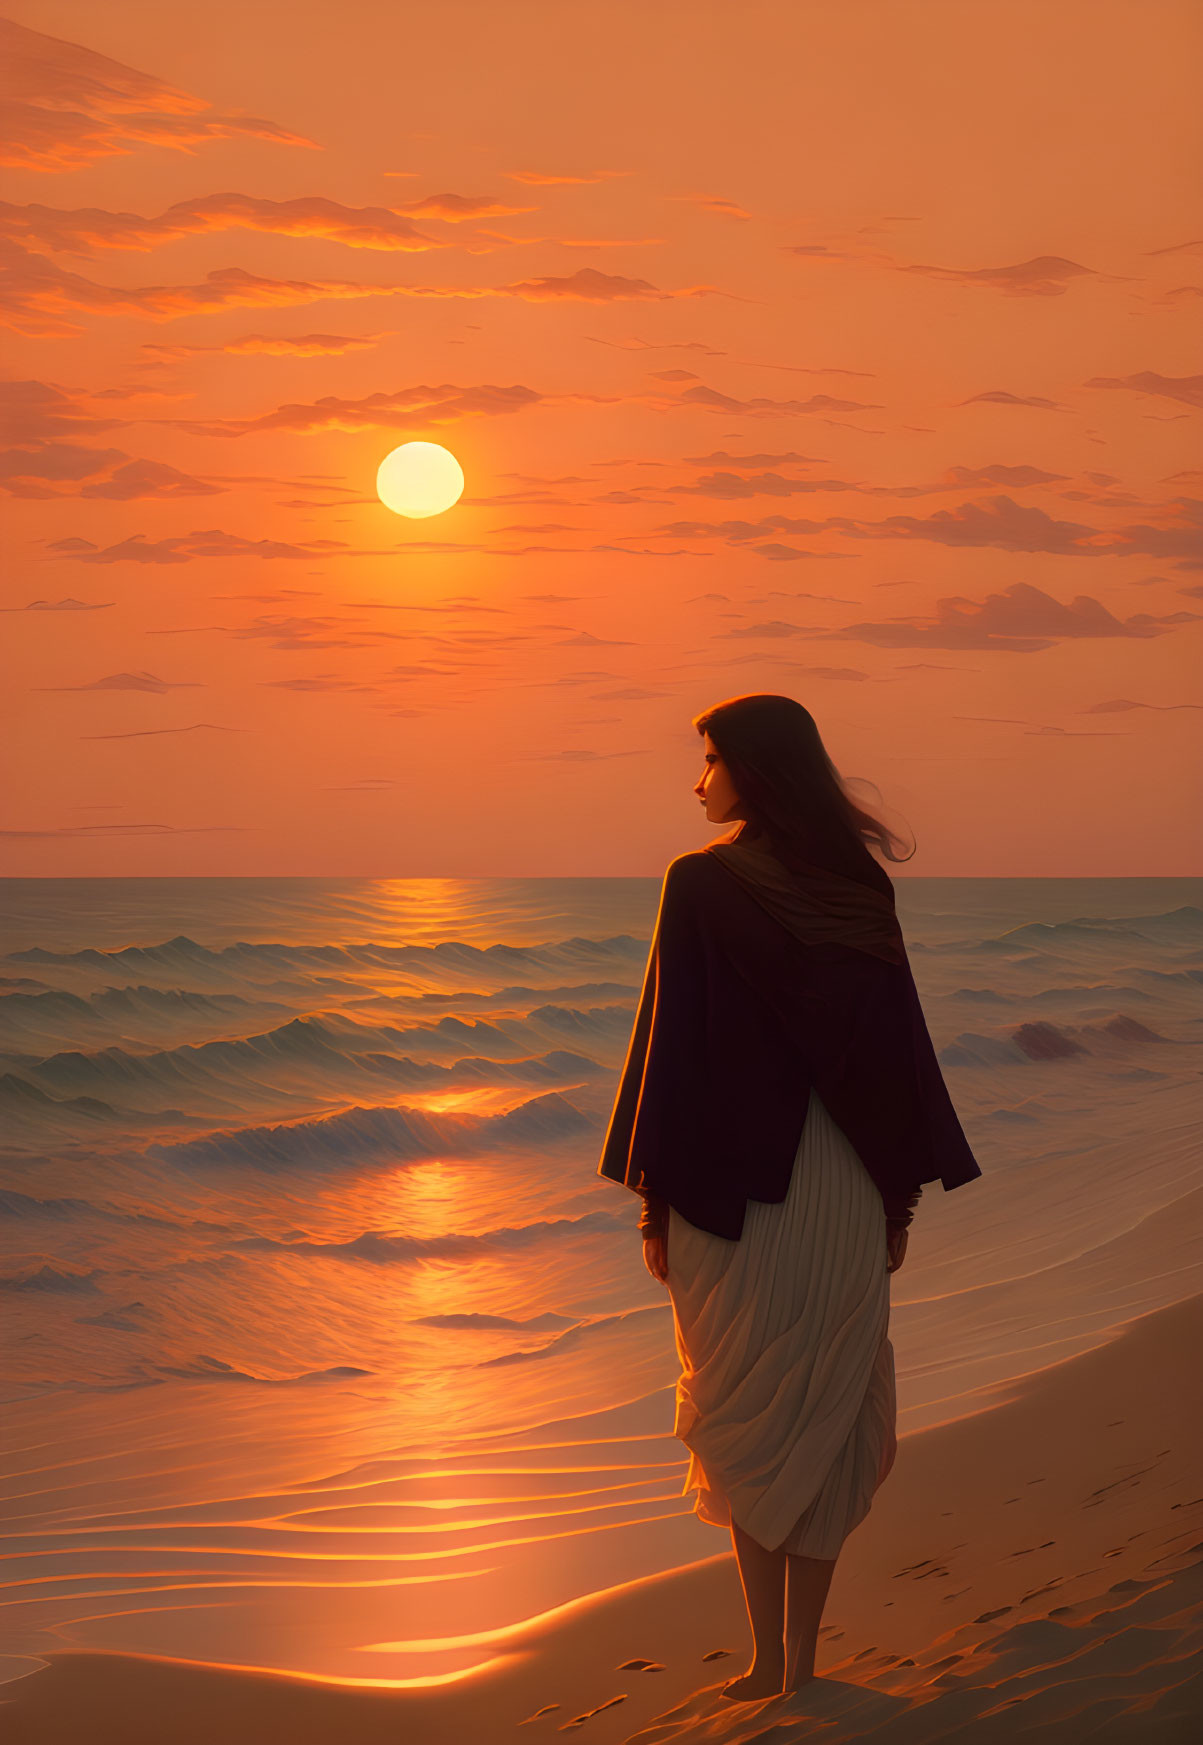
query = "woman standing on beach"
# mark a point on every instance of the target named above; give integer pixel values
(780, 1108)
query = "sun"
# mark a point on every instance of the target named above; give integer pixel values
(419, 479)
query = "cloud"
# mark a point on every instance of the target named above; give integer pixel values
(68, 106)
(601, 241)
(785, 553)
(67, 605)
(722, 459)
(764, 408)
(1120, 705)
(84, 831)
(996, 522)
(129, 682)
(817, 251)
(1182, 538)
(460, 208)
(403, 409)
(651, 345)
(1020, 620)
(148, 478)
(32, 411)
(319, 682)
(1045, 276)
(774, 629)
(35, 294)
(549, 179)
(730, 486)
(278, 345)
(183, 547)
(1188, 389)
(806, 369)
(68, 469)
(87, 229)
(284, 631)
(736, 532)
(715, 203)
(1178, 247)
(158, 732)
(28, 472)
(590, 286)
(1000, 397)
(965, 478)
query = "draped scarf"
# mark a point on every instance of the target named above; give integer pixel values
(817, 905)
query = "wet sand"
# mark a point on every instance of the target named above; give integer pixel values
(1034, 1570)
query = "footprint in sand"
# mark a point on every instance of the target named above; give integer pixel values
(718, 1654)
(579, 1720)
(641, 1666)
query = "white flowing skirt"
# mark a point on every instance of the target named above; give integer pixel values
(786, 1397)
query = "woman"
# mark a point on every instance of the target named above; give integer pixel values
(780, 1108)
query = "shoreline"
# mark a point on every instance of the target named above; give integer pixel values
(1072, 1498)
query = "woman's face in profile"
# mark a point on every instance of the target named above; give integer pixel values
(716, 790)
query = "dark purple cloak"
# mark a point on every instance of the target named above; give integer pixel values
(737, 1020)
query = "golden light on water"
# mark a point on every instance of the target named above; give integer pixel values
(419, 479)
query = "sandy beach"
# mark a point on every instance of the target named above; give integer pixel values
(1034, 1570)
(465, 462)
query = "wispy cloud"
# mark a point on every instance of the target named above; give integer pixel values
(994, 522)
(654, 345)
(555, 179)
(1188, 389)
(730, 486)
(140, 681)
(1121, 705)
(591, 286)
(64, 469)
(999, 522)
(761, 407)
(88, 230)
(716, 203)
(289, 631)
(35, 293)
(721, 458)
(68, 106)
(414, 408)
(183, 547)
(1048, 275)
(67, 605)
(159, 732)
(32, 411)
(1019, 620)
(278, 345)
(1002, 397)
(461, 208)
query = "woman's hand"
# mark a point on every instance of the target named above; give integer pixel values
(655, 1256)
(895, 1248)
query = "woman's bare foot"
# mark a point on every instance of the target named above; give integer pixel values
(757, 1682)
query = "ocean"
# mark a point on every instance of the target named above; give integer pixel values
(325, 1348)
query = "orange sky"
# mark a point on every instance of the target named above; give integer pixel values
(844, 349)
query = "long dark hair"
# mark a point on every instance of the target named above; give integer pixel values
(792, 792)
